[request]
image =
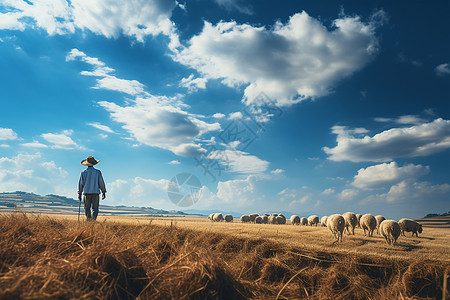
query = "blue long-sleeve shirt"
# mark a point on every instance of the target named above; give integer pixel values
(91, 182)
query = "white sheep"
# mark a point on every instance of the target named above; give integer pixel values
(245, 218)
(358, 217)
(210, 217)
(228, 218)
(304, 221)
(323, 221)
(379, 219)
(258, 220)
(265, 219)
(218, 217)
(281, 219)
(295, 220)
(336, 224)
(369, 223)
(313, 220)
(410, 226)
(253, 217)
(272, 219)
(390, 230)
(350, 222)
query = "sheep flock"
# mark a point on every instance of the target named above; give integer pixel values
(337, 224)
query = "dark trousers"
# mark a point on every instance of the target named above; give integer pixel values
(91, 200)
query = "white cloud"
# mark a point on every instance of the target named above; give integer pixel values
(32, 173)
(106, 80)
(418, 140)
(239, 161)
(35, 144)
(408, 190)
(240, 192)
(348, 194)
(303, 200)
(385, 174)
(4, 146)
(289, 62)
(101, 127)
(61, 140)
(193, 84)
(7, 134)
(111, 18)
(161, 122)
(218, 115)
(328, 191)
(277, 171)
(235, 116)
(406, 119)
(443, 69)
(174, 162)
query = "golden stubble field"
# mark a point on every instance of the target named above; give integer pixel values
(432, 244)
(49, 257)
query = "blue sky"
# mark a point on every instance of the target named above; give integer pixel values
(360, 91)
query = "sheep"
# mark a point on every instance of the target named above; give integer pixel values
(369, 223)
(276, 215)
(281, 219)
(245, 218)
(350, 222)
(258, 220)
(295, 220)
(323, 221)
(390, 230)
(358, 217)
(228, 218)
(218, 217)
(210, 217)
(273, 219)
(410, 226)
(379, 219)
(253, 217)
(304, 221)
(265, 219)
(336, 224)
(313, 220)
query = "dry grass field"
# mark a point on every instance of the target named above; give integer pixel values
(44, 257)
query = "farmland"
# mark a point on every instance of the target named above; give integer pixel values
(191, 258)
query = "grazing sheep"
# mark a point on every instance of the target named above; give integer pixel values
(273, 219)
(410, 226)
(265, 219)
(323, 221)
(228, 218)
(295, 220)
(258, 220)
(336, 224)
(304, 221)
(358, 217)
(245, 218)
(253, 217)
(313, 220)
(218, 217)
(281, 219)
(379, 219)
(390, 230)
(210, 217)
(369, 223)
(350, 222)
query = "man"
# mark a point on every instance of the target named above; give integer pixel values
(90, 184)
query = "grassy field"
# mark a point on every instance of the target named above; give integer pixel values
(191, 258)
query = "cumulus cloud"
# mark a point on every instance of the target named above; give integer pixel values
(111, 18)
(443, 69)
(239, 161)
(289, 62)
(418, 140)
(408, 190)
(328, 191)
(174, 162)
(7, 134)
(106, 79)
(348, 194)
(32, 173)
(193, 84)
(61, 140)
(161, 122)
(277, 171)
(218, 115)
(240, 192)
(386, 174)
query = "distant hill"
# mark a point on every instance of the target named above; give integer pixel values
(54, 204)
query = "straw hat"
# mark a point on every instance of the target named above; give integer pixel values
(90, 161)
